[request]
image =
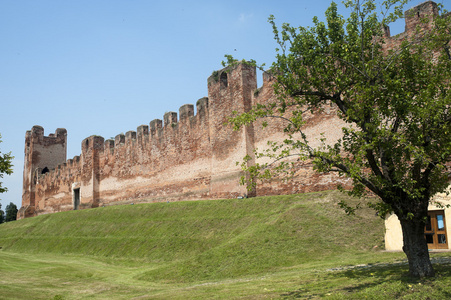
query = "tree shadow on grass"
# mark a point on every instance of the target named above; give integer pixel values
(361, 278)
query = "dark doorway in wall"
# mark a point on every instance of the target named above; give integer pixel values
(76, 198)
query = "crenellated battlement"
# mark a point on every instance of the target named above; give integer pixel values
(37, 135)
(155, 126)
(415, 16)
(417, 20)
(169, 119)
(154, 132)
(42, 155)
(94, 142)
(165, 157)
(191, 154)
(187, 155)
(119, 140)
(186, 111)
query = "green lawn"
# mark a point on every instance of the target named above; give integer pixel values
(296, 246)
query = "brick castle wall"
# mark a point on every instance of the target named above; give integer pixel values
(188, 155)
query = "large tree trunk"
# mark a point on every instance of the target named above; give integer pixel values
(416, 248)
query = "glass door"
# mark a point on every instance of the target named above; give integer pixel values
(435, 230)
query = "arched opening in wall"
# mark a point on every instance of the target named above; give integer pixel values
(76, 198)
(45, 170)
(223, 80)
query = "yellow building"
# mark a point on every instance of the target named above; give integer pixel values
(435, 231)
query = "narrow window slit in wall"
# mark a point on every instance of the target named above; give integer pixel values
(223, 80)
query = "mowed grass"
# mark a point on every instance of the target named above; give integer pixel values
(266, 247)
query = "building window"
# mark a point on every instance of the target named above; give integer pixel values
(435, 230)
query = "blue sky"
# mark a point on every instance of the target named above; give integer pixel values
(104, 67)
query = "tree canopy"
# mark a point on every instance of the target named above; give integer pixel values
(5, 166)
(395, 103)
(11, 212)
(2, 215)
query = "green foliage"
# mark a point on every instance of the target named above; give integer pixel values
(396, 104)
(5, 166)
(231, 61)
(215, 75)
(11, 212)
(2, 215)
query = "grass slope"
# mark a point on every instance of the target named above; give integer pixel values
(240, 248)
(200, 240)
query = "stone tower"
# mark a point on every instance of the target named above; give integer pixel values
(42, 154)
(230, 90)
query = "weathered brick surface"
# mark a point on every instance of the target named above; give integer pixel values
(418, 21)
(193, 157)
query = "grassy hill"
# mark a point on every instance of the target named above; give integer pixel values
(181, 244)
(204, 239)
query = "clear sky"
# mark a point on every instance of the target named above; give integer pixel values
(104, 67)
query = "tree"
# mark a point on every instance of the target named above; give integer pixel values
(395, 103)
(11, 212)
(2, 215)
(5, 166)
